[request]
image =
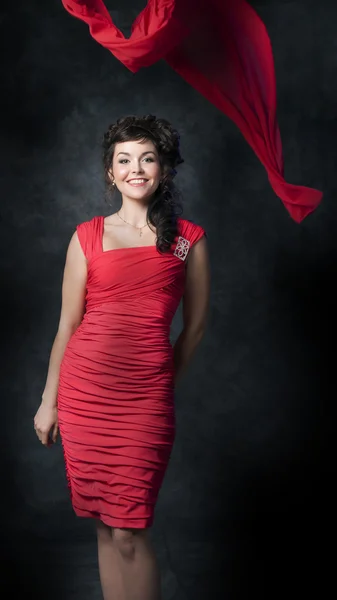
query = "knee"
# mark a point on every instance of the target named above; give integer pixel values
(125, 541)
(104, 533)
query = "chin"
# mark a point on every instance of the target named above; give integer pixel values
(137, 196)
(138, 193)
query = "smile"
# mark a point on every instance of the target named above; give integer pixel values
(137, 181)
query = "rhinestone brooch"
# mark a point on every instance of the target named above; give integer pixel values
(182, 248)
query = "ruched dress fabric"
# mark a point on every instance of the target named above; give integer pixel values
(116, 387)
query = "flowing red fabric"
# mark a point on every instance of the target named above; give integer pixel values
(222, 49)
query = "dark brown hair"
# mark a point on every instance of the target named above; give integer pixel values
(165, 205)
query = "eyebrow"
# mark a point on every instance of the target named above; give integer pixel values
(143, 153)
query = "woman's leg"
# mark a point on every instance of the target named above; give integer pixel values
(140, 572)
(109, 564)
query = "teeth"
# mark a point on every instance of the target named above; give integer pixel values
(137, 181)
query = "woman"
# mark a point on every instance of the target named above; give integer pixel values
(113, 371)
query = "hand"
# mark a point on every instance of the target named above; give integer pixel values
(46, 424)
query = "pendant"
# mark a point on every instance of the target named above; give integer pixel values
(140, 233)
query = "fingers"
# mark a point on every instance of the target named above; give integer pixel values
(43, 435)
(55, 432)
(44, 439)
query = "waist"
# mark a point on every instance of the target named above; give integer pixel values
(111, 334)
(127, 315)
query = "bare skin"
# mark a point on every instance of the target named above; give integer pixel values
(127, 563)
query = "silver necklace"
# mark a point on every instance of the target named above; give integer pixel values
(140, 228)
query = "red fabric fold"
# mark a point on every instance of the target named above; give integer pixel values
(222, 49)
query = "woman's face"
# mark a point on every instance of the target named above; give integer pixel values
(136, 169)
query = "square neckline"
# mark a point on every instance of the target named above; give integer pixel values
(122, 247)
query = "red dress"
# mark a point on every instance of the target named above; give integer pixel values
(116, 386)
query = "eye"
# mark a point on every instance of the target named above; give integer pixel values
(122, 161)
(149, 159)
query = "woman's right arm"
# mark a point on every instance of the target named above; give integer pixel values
(72, 310)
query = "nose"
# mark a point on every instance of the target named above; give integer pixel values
(137, 167)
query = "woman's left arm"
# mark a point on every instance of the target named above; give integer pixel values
(195, 306)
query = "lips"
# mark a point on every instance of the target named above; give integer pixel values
(137, 182)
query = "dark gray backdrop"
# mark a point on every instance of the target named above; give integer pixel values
(247, 505)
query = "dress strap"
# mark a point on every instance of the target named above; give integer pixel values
(90, 235)
(190, 231)
(188, 234)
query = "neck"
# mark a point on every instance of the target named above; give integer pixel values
(133, 212)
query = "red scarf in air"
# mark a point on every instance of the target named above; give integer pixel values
(222, 49)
